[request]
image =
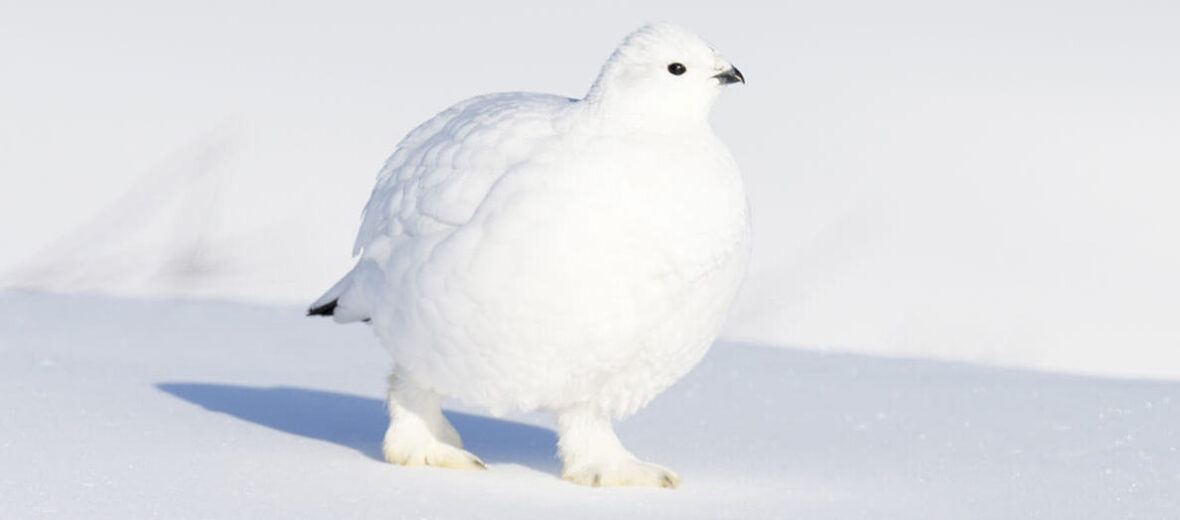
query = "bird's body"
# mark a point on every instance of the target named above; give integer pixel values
(526, 251)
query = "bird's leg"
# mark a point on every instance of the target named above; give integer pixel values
(419, 434)
(593, 456)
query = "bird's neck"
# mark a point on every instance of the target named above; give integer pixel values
(626, 112)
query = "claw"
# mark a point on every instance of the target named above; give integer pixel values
(633, 473)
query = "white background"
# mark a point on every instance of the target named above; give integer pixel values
(993, 182)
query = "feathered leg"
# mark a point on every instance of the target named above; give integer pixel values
(419, 434)
(593, 456)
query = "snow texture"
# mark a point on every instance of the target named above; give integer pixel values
(119, 408)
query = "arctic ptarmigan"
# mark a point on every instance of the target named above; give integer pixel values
(525, 251)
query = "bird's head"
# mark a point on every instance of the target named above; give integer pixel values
(662, 74)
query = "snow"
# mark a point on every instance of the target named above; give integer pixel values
(127, 408)
(990, 183)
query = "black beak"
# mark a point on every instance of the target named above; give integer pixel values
(730, 76)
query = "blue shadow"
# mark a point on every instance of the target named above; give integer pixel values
(359, 422)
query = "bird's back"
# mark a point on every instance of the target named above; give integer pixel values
(442, 170)
(435, 180)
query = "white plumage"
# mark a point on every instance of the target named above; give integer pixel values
(525, 251)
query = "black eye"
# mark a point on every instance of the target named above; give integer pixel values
(676, 68)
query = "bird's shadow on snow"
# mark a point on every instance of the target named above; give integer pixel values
(359, 422)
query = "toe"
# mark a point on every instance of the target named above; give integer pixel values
(455, 459)
(630, 473)
(436, 454)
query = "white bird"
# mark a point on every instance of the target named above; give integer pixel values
(528, 251)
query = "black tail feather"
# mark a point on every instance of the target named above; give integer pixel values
(326, 309)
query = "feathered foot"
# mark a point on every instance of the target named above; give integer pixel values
(593, 455)
(419, 434)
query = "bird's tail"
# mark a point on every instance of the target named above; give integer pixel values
(339, 302)
(326, 309)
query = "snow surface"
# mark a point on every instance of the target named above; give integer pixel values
(123, 408)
